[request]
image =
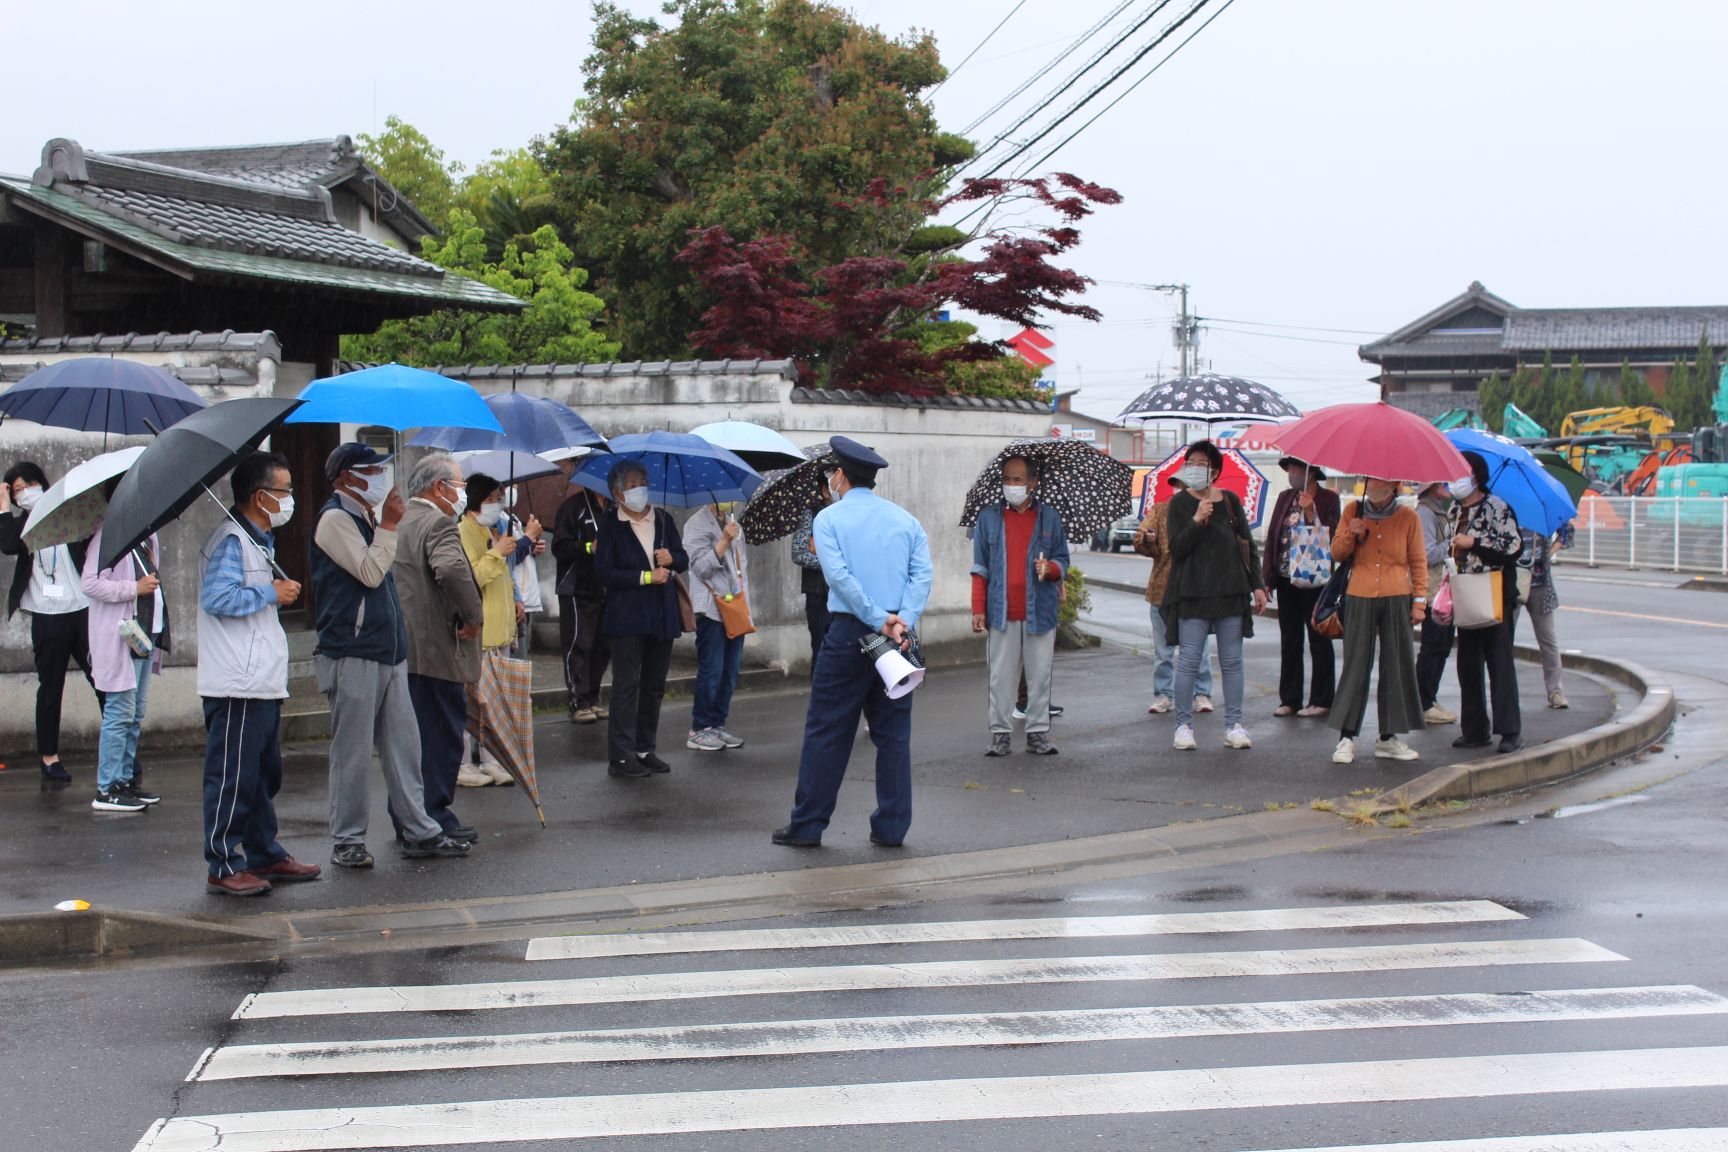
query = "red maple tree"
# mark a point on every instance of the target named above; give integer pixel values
(852, 324)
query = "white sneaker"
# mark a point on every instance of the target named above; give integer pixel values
(1160, 705)
(1557, 699)
(1019, 715)
(1439, 715)
(496, 772)
(1237, 737)
(1202, 703)
(470, 776)
(1185, 738)
(1392, 748)
(1345, 753)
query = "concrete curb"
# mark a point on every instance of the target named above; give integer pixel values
(1543, 764)
(106, 931)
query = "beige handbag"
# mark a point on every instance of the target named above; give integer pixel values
(1478, 599)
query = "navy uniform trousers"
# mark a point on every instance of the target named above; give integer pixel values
(844, 685)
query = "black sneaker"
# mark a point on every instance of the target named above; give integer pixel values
(55, 773)
(1055, 709)
(130, 788)
(627, 768)
(436, 846)
(652, 762)
(351, 856)
(116, 800)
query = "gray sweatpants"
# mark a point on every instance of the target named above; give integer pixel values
(1008, 651)
(1548, 639)
(369, 707)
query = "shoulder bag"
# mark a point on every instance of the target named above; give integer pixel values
(686, 610)
(734, 609)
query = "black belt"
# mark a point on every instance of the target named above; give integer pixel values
(854, 619)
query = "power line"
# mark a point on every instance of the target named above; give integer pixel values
(1073, 79)
(1048, 67)
(1069, 139)
(1291, 327)
(1284, 336)
(980, 45)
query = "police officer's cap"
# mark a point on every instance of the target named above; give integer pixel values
(855, 458)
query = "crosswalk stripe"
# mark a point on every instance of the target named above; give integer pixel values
(803, 1037)
(1078, 927)
(932, 1101)
(942, 974)
(1656, 1140)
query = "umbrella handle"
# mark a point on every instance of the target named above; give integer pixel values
(229, 512)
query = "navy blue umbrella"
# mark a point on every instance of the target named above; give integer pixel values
(101, 394)
(531, 424)
(684, 471)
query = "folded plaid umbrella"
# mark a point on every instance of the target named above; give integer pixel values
(1086, 488)
(501, 718)
(777, 508)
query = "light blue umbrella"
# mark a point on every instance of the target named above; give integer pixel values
(507, 466)
(530, 424)
(1540, 502)
(684, 471)
(394, 396)
(757, 445)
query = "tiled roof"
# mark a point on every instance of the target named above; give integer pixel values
(1566, 329)
(263, 343)
(407, 277)
(803, 395)
(288, 166)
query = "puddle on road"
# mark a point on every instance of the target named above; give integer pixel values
(1583, 809)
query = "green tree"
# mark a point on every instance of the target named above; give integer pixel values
(756, 116)
(414, 167)
(1006, 375)
(510, 196)
(1494, 394)
(556, 327)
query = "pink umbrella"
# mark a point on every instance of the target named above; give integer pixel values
(1373, 440)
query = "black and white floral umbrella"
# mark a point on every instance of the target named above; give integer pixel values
(1211, 399)
(1086, 488)
(777, 508)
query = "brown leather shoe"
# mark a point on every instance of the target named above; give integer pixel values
(288, 871)
(239, 884)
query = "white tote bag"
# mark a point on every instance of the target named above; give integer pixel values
(1478, 599)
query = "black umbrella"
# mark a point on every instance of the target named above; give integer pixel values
(778, 507)
(1210, 398)
(1086, 488)
(181, 464)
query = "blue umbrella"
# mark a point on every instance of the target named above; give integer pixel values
(758, 446)
(507, 466)
(531, 424)
(101, 394)
(683, 471)
(394, 396)
(1540, 502)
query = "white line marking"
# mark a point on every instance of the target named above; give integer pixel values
(1056, 928)
(1658, 1140)
(960, 1030)
(945, 974)
(938, 1101)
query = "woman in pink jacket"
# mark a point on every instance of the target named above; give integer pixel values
(129, 591)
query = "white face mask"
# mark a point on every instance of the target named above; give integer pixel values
(635, 499)
(377, 488)
(284, 510)
(461, 503)
(1196, 476)
(1461, 489)
(1015, 494)
(489, 514)
(833, 492)
(26, 499)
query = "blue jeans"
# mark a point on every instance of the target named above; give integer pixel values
(122, 720)
(1192, 633)
(1164, 662)
(716, 674)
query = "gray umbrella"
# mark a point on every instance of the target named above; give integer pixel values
(1212, 399)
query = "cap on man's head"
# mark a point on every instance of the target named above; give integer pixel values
(855, 458)
(352, 455)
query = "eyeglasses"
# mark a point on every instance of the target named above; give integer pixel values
(278, 491)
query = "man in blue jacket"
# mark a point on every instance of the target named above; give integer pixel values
(876, 559)
(1019, 559)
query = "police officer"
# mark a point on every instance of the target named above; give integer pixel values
(876, 559)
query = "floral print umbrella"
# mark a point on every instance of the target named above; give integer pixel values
(1211, 399)
(73, 508)
(777, 508)
(1086, 488)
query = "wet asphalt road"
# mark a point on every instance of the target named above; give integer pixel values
(93, 1057)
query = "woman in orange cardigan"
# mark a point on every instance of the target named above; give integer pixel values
(1387, 594)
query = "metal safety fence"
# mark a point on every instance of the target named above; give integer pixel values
(1679, 534)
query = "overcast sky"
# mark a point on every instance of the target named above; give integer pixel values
(1328, 164)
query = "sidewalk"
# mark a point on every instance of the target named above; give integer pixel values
(711, 817)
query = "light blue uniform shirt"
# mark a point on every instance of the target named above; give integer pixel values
(876, 558)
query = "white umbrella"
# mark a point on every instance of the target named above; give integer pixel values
(758, 446)
(73, 508)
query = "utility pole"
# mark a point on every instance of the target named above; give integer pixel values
(1185, 332)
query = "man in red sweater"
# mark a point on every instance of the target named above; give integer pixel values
(1019, 559)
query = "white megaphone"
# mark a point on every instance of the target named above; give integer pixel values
(899, 675)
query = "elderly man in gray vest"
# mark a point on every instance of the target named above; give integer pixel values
(441, 611)
(243, 678)
(362, 660)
